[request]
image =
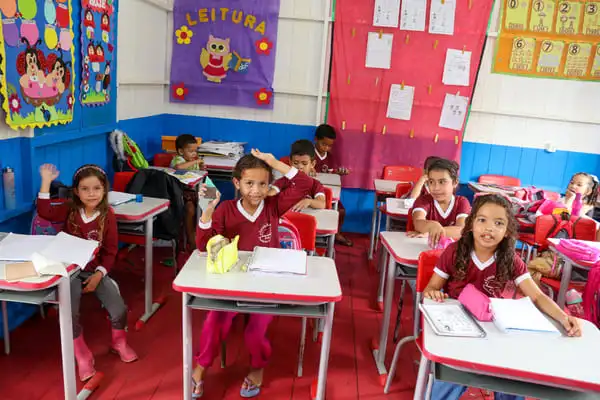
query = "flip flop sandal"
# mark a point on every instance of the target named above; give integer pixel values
(196, 386)
(249, 389)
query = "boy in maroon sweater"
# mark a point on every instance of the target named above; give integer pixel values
(326, 163)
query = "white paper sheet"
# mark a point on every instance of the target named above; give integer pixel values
(379, 51)
(412, 15)
(278, 261)
(386, 13)
(17, 247)
(46, 266)
(70, 249)
(117, 198)
(400, 102)
(441, 17)
(520, 316)
(454, 111)
(457, 68)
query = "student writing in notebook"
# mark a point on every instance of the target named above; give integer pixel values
(88, 215)
(255, 218)
(485, 257)
(440, 213)
(302, 157)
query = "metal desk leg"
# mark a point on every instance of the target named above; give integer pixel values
(373, 222)
(5, 328)
(380, 348)
(330, 243)
(383, 254)
(149, 307)
(186, 316)
(564, 284)
(422, 378)
(319, 393)
(66, 338)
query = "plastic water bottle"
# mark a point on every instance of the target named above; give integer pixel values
(577, 205)
(10, 196)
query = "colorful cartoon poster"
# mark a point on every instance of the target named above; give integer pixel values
(224, 52)
(37, 62)
(97, 49)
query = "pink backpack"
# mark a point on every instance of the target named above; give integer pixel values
(289, 237)
(591, 297)
(579, 251)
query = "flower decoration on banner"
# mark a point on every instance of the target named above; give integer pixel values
(14, 103)
(263, 96)
(264, 46)
(184, 35)
(180, 91)
(70, 101)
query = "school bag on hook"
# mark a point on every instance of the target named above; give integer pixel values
(128, 156)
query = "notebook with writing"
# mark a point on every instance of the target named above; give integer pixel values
(451, 319)
(277, 261)
(520, 315)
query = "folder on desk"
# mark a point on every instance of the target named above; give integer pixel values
(451, 319)
(118, 198)
(277, 261)
(520, 316)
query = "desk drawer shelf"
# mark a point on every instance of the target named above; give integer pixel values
(36, 297)
(318, 311)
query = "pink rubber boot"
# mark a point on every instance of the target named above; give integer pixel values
(120, 346)
(85, 359)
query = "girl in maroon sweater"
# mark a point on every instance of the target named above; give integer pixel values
(255, 218)
(89, 216)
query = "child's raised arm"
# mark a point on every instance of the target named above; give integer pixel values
(49, 212)
(211, 222)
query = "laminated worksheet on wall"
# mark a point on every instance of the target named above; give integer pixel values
(457, 68)
(379, 50)
(386, 13)
(400, 102)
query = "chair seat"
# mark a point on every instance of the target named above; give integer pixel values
(383, 209)
(139, 240)
(527, 238)
(555, 284)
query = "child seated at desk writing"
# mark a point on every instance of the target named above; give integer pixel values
(440, 213)
(325, 163)
(187, 159)
(485, 257)
(302, 157)
(255, 218)
(88, 215)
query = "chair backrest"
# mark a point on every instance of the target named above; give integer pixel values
(427, 262)
(289, 237)
(403, 188)
(328, 198)
(500, 180)
(41, 226)
(121, 180)
(583, 228)
(401, 173)
(285, 160)
(410, 226)
(163, 159)
(306, 226)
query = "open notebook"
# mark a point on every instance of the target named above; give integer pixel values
(118, 198)
(520, 316)
(277, 261)
(451, 319)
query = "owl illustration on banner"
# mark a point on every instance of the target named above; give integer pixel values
(215, 59)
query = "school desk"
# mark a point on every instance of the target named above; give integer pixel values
(336, 192)
(137, 213)
(383, 189)
(568, 268)
(534, 365)
(220, 168)
(329, 179)
(497, 189)
(400, 249)
(312, 296)
(327, 226)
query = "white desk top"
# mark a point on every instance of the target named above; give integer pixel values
(320, 285)
(545, 358)
(403, 249)
(37, 283)
(219, 163)
(327, 220)
(336, 192)
(554, 242)
(148, 208)
(329, 179)
(385, 186)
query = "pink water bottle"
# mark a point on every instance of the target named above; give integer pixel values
(577, 205)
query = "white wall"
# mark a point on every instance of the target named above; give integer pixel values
(532, 112)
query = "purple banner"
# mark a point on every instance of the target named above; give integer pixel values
(224, 52)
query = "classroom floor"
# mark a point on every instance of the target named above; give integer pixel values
(32, 371)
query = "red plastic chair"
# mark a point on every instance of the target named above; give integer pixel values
(427, 262)
(403, 188)
(163, 159)
(121, 180)
(402, 173)
(328, 198)
(286, 160)
(500, 180)
(307, 228)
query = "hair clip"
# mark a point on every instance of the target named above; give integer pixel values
(89, 166)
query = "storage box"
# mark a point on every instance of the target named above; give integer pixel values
(168, 143)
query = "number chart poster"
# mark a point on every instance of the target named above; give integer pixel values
(97, 47)
(37, 62)
(224, 52)
(549, 39)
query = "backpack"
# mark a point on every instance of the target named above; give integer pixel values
(289, 237)
(563, 227)
(41, 226)
(591, 296)
(127, 152)
(579, 251)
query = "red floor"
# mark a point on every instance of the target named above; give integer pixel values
(32, 371)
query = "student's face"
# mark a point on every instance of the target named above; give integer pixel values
(489, 226)
(90, 191)
(579, 184)
(189, 152)
(253, 185)
(440, 184)
(303, 163)
(324, 145)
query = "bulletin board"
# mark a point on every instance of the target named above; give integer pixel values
(549, 39)
(367, 139)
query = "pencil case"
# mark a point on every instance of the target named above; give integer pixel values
(222, 254)
(476, 302)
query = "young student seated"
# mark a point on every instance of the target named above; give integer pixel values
(420, 186)
(89, 216)
(440, 213)
(587, 185)
(302, 157)
(187, 159)
(485, 257)
(255, 218)
(325, 162)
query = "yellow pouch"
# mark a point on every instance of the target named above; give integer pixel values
(222, 255)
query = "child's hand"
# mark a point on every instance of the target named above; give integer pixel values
(415, 234)
(436, 231)
(312, 172)
(266, 157)
(301, 205)
(435, 295)
(92, 282)
(572, 326)
(342, 171)
(48, 172)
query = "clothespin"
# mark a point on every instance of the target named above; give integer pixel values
(380, 33)
(464, 48)
(402, 86)
(429, 89)
(348, 80)
(384, 130)
(407, 38)
(412, 133)
(456, 139)
(376, 81)
(436, 138)
(457, 93)
(364, 128)
(435, 44)
(470, 4)
(343, 125)
(443, 1)
(353, 32)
